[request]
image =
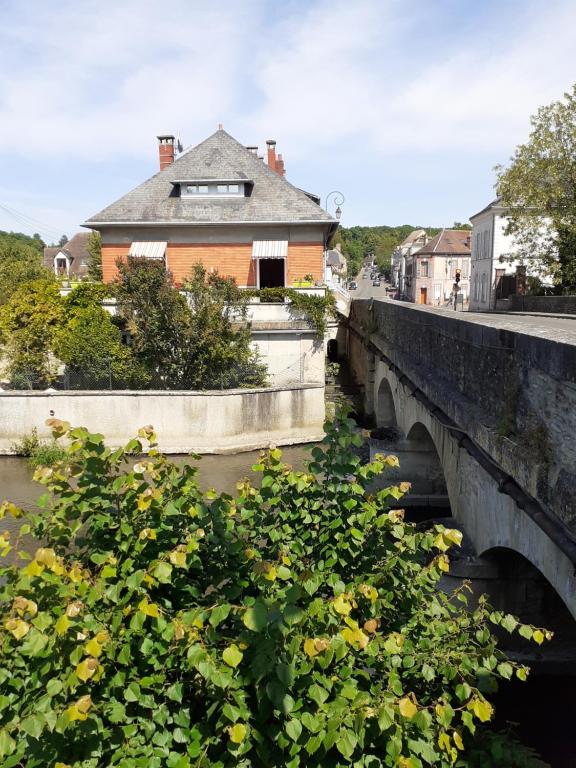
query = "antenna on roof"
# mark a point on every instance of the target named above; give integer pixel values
(179, 146)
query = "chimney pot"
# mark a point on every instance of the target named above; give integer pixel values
(165, 150)
(253, 149)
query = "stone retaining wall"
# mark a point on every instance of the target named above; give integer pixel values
(565, 305)
(205, 422)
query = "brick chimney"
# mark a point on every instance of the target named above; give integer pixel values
(165, 150)
(271, 143)
(280, 166)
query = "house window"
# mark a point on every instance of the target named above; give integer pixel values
(424, 271)
(211, 190)
(465, 268)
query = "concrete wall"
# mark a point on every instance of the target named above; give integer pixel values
(205, 422)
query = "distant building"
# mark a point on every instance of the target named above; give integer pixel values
(415, 240)
(431, 271)
(221, 205)
(71, 259)
(336, 266)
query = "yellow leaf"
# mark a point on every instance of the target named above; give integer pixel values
(371, 626)
(407, 707)
(458, 740)
(45, 556)
(62, 625)
(341, 605)
(321, 644)
(150, 609)
(87, 669)
(84, 703)
(270, 573)
(481, 708)
(286, 560)
(391, 461)
(93, 648)
(146, 533)
(178, 630)
(444, 742)
(405, 487)
(355, 637)
(74, 713)
(178, 558)
(75, 573)
(538, 636)
(22, 606)
(62, 765)
(371, 593)
(34, 568)
(443, 563)
(453, 535)
(310, 647)
(74, 609)
(440, 543)
(57, 568)
(17, 628)
(237, 733)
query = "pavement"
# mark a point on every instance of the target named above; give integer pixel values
(560, 328)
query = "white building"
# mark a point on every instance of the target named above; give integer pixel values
(415, 240)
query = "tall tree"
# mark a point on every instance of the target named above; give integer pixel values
(63, 240)
(20, 262)
(194, 339)
(539, 190)
(94, 248)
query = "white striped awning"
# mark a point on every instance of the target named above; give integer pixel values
(150, 250)
(270, 249)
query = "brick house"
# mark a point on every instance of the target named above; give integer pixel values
(431, 270)
(220, 204)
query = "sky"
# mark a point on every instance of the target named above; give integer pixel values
(403, 106)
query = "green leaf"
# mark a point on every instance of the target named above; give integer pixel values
(232, 655)
(526, 631)
(256, 617)
(294, 729)
(219, 614)
(346, 743)
(33, 725)
(163, 572)
(318, 694)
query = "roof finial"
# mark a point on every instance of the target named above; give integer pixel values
(220, 127)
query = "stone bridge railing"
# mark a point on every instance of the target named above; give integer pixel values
(512, 392)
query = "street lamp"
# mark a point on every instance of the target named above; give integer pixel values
(338, 199)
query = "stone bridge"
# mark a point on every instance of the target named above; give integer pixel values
(491, 401)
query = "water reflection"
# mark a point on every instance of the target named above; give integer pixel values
(221, 472)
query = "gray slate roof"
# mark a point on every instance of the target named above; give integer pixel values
(219, 157)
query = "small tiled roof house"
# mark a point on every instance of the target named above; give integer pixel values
(70, 259)
(222, 205)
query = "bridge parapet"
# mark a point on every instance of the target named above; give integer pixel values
(512, 391)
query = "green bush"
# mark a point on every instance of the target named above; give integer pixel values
(39, 452)
(295, 624)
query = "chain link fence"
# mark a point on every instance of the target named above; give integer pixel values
(237, 376)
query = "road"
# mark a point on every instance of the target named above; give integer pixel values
(561, 328)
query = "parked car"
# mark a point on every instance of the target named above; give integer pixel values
(376, 283)
(353, 286)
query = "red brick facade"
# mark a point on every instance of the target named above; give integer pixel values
(232, 259)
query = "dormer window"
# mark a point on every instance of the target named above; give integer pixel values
(223, 188)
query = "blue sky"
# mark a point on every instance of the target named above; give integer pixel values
(405, 106)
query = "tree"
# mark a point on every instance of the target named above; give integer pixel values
(94, 248)
(538, 189)
(461, 225)
(28, 322)
(194, 339)
(299, 623)
(63, 240)
(20, 262)
(90, 344)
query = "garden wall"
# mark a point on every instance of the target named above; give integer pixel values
(205, 422)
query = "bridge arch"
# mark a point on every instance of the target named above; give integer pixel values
(385, 406)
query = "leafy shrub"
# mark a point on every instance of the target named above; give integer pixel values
(297, 624)
(39, 452)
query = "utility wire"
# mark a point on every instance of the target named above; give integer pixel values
(35, 226)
